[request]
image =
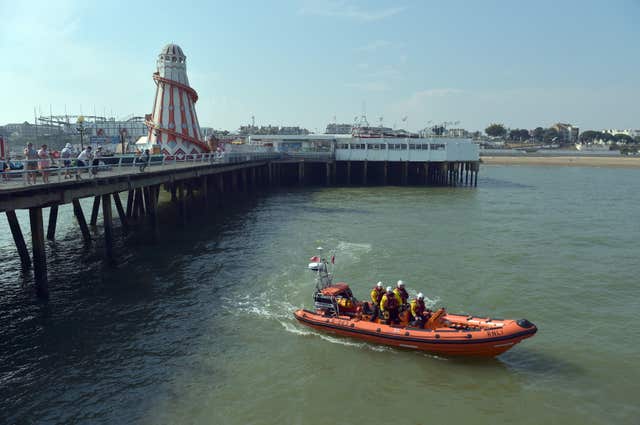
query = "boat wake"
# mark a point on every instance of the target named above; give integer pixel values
(291, 327)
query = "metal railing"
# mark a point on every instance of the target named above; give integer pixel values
(118, 165)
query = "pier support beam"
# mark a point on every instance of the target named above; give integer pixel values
(53, 221)
(129, 203)
(328, 174)
(108, 227)
(121, 213)
(182, 204)
(349, 172)
(95, 210)
(405, 173)
(205, 192)
(425, 167)
(364, 172)
(270, 173)
(18, 238)
(152, 212)
(243, 175)
(77, 211)
(234, 181)
(39, 255)
(385, 173)
(301, 173)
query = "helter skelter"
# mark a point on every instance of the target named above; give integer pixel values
(173, 124)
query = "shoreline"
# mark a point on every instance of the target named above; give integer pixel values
(566, 161)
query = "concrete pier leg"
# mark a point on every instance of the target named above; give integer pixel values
(349, 172)
(220, 193)
(182, 204)
(475, 183)
(243, 175)
(405, 173)
(270, 174)
(95, 210)
(147, 199)
(385, 173)
(234, 181)
(108, 227)
(205, 192)
(18, 238)
(174, 198)
(152, 212)
(301, 173)
(327, 174)
(253, 182)
(140, 202)
(425, 167)
(364, 173)
(466, 172)
(39, 254)
(77, 211)
(129, 203)
(121, 213)
(53, 221)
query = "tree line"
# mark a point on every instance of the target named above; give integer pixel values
(540, 134)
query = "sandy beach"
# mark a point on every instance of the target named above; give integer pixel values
(571, 161)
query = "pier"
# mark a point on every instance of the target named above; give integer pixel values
(121, 191)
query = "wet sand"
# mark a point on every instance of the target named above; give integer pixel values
(571, 161)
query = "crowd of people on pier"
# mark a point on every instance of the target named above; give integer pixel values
(42, 161)
(387, 304)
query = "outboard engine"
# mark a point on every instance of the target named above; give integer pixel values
(324, 302)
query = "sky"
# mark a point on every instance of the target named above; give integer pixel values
(408, 64)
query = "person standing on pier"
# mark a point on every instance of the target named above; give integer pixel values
(31, 158)
(84, 159)
(66, 154)
(44, 163)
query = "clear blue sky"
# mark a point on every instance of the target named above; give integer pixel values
(297, 62)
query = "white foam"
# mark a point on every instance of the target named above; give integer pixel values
(290, 327)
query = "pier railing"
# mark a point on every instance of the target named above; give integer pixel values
(120, 165)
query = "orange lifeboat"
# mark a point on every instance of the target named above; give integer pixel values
(338, 312)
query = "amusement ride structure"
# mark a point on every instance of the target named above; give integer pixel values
(174, 125)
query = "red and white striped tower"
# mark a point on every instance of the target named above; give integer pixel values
(174, 124)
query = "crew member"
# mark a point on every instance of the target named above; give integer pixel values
(376, 296)
(389, 307)
(401, 295)
(419, 312)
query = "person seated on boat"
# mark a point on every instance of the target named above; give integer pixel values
(401, 295)
(376, 296)
(389, 307)
(419, 313)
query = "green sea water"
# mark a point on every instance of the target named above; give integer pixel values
(198, 329)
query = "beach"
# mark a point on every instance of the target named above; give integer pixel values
(571, 161)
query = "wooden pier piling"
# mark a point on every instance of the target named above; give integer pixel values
(53, 221)
(84, 229)
(95, 210)
(121, 214)
(108, 227)
(18, 238)
(39, 254)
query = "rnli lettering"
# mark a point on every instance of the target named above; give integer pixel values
(497, 332)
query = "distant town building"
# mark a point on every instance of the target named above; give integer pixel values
(566, 132)
(457, 132)
(335, 128)
(628, 132)
(246, 130)
(27, 129)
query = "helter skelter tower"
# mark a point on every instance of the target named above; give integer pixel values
(174, 124)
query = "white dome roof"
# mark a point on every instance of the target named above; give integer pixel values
(172, 50)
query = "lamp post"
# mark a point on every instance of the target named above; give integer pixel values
(81, 130)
